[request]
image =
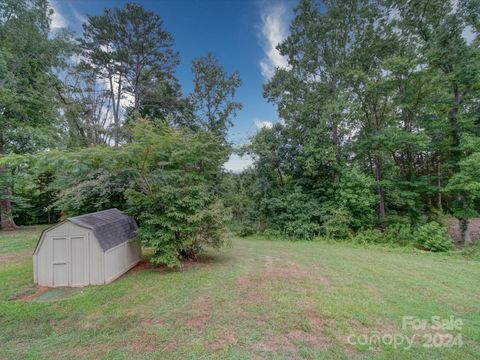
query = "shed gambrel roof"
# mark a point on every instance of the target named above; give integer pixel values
(111, 227)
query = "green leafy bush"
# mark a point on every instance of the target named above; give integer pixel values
(369, 236)
(337, 224)
(433, 237)
(293, 213)
(356, 194)
(394, 234)
(399, 234)
(352, 206)
(235, 192)
(300, 229)
(172, 191)
(472, 252)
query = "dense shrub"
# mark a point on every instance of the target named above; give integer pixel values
(355, 193)
(235, 194)
(433, 237)
(300, 229)
(337, 224)
(369, 236)
(399, 234)
(472, 252)
(394, 234)
(178, 219)
(293, 213)
(172, 191)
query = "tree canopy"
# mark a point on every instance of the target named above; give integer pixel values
(378, 138)
(377, 96)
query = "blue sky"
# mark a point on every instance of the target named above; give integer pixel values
(241, 33)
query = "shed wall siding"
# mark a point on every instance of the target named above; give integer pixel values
(133, 253)
(97, 276)
(76, 246)
(121, 258)
(44, 263)
(114, 262)
(77, 259)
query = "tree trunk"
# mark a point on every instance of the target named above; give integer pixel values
(438, 172)
(116, 98)
(380, 192)
(336, 144)
(464, 223)
(6, 217)
(6, 212)
(280, 176)
(136, 86)
(465, 231)
(455, 152)
(452, 116)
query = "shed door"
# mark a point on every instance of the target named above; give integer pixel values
(60, 261)
(78, 264)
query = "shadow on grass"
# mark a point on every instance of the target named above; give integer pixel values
(201, 261)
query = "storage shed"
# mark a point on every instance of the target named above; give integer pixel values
(89, 249)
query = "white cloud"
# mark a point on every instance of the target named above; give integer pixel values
(260, 124)
(58, 20)
(65, 15)
(469, 34)
(237, 163)
(274, 30)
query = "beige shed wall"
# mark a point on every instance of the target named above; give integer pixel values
(120, 259)
(70, 255)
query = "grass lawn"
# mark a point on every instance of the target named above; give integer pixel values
(255, 299)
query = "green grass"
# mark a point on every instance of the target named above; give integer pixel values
(256, 299)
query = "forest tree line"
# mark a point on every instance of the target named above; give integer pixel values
(380, 122)
(378, 139)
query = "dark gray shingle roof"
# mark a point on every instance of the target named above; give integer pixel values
(111, 227)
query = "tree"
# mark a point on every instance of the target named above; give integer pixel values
(172, 190)
(389, 89)
(439, 26)
(164, 101)
(311, 93)
(467, 182)
(270, 151)
(130, 50)
(213, 95)
(87, 105)
(334, 85)
(374, 43)
(29, 118)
